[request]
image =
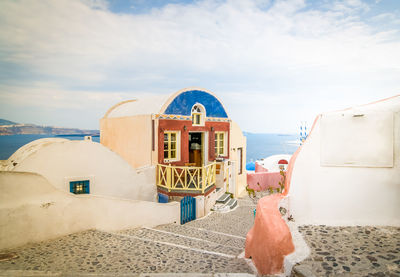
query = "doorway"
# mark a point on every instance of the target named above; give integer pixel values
(232, 178)
(196, 149)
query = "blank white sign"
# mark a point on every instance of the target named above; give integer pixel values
(361, 140)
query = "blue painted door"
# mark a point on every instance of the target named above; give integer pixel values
(188, 209)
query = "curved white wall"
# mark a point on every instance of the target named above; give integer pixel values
(109, 175)
(271, 162)
(347, 195)
(32, 210)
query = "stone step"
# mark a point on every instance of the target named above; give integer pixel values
(208, 235)
(41, 273)
(182, 240)
(232, 203)
(224, 198)
(226, 206)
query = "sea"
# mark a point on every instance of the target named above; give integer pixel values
(10, 144)
(259, 146)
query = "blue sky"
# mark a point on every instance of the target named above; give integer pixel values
(272, 63)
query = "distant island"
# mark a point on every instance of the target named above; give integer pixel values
(12, 128)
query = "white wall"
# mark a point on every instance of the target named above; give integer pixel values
(109, 174)
(346, 195)
(238, 140)
(368, 130)
(32, 210)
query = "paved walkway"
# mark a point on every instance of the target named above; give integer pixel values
(208, 245)
(351, 251)
(212, 246)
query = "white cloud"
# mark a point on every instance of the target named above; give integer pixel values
(49, 95)
(275, 50)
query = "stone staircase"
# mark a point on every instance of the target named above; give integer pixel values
(185, 241)
(212, 246)
(225, 203)
(193, 249)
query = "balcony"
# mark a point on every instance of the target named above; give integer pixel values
(186, 179)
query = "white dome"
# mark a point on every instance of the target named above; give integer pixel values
(271, 162)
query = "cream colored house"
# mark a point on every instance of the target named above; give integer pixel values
(188, 136)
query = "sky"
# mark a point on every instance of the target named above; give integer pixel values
(273, 64)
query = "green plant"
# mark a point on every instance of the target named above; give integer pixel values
(283, 180)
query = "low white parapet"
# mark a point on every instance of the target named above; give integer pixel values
(32, 210)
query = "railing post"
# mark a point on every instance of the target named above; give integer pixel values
(203, 179)
(168, 170)
(173, 172)
(158, 174)
(185, 172)
(214, 172)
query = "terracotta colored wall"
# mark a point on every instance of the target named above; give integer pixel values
(265, 179)
(178, 125)
(130, 137)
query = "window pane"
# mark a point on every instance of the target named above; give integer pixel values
(165, 136)
(173, 154)
(173, 136)
(165, 145)
(216, 136)
(221, 150)
(221, 143)
(173, 145)
(197, 119)
(221, 136)
(166, 154)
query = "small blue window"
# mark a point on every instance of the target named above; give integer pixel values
(79, 187)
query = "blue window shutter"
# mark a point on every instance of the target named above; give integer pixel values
(87, 183)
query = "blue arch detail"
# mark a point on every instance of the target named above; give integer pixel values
(183, 103)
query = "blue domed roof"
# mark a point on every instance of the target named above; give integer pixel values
(183, 103)
(251, 166)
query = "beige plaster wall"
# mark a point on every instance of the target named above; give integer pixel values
(64, 161)
(32, 210)
(130, 137)
(238, 140)
(345, 195)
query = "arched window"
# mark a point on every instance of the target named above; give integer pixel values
(198, 115)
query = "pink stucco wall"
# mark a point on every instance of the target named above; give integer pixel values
(269, 241)
(260, 168)
(264, 179)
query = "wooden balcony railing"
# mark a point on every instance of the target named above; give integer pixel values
(186, 178)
